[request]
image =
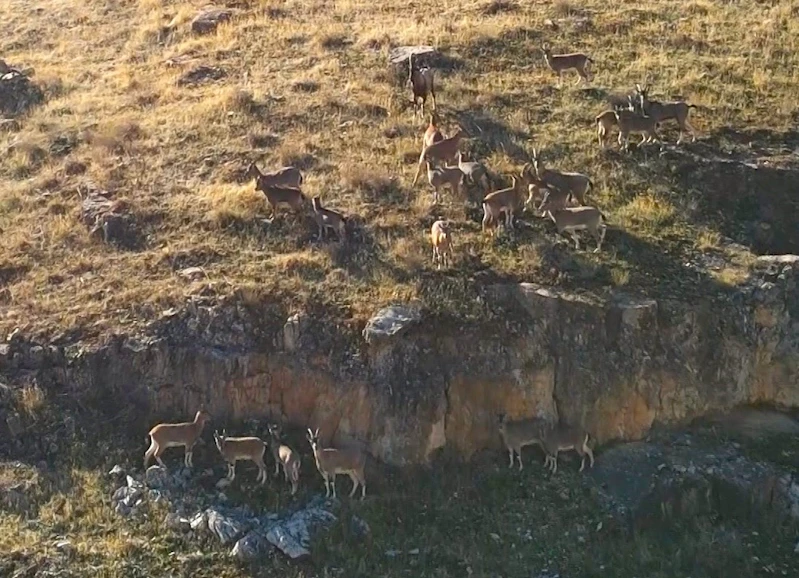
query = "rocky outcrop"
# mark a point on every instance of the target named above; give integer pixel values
(616, 365)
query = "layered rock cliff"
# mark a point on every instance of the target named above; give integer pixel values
(407, 386)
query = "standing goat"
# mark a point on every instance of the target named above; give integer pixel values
(289, 177)
(239, 449)
(575, 183)
(474, 172)
(286, 457)
(421, 81)
(441, 238)
(442, 152)
(573, 219)
(660, 111)
(630, 122)
(168, 435)
(562, 62)
(432, 133)
(563, 438)
(507, 201)
(517, 434)
(330, 462)
(438, 177)
(328, 219)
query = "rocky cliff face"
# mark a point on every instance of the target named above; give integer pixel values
(407, 387)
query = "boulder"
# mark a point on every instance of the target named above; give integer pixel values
(157, 478)
(292, 535)
(390, 322)
(251, 547)
(209, 18)
(17, 92)
(225, 527)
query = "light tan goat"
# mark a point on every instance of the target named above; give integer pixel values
(421, 81)
(441, 238)
(328, 219)
(169, 435)
(562, 62)
(240, 449)
(518, 434)
(573, 219)
(577, 184)
(289, 177)
(562, 439)
(507, 201)
(661, 111)
(330, 462)
(432, 133)
(442, 152)
(439, 177)
(604, 124)
(286, 457)
(630, 122)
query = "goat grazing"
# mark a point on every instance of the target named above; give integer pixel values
(443, 152)
(517, 434)
(286, 457)
(562, 62)
(441, 176)
(432, 133)
(421, 81)
(561, 439)
(328, 219)
(661, 111)
(575, 183)
(168, 435)
(330, 462)
(239, 449)
(441, 237)
(573, 219)
(287, 177)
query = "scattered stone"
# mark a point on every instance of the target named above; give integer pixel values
(14, 425)
(796, 549)
(117, 471)
(401, 54)
(251, 547)
(292, 536)
(177, 523)
(390, 322)
(223, 483)
(192, 273)
(209, 19)
(292, 330)
(199, 523)
(360, 528)
(109, 219)
(64, 546)
(157, 478)
(201, 75)
(224, 527)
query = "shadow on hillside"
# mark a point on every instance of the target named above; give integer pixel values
(489, 135)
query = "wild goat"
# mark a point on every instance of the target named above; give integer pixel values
(517, 434)
(168, 435)
(330, 462)
(441, 176)
(573, 219)
(630, 122)
(421, 81)
(289, 177)
(432, 133)
(277, 196)
(474, 172)
(575, 183)
(239, 449)
(286, 457)
(561, 439)
(556, 198)
(441, 237)
(660, 111)
(506, 201)
(443, 152)
(328, 219)
(562, 62)
(604, 123)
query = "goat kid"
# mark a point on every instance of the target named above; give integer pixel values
(441, 238)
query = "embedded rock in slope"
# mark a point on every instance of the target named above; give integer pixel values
(209, 19)
(17, 92)
(390, 322)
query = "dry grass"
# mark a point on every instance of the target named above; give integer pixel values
(307, 83)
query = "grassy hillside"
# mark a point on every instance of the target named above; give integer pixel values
(307, 82)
